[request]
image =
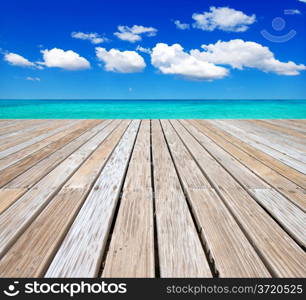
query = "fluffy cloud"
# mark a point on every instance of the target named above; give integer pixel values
(205, 65)
(93, 37)
(173, 60)
(223, 18)
(240, 54)
(292, 11)
(120, 61)
(182, 26)
(18, 60)
(68, 60)
(133, 34)
(33, 78)
(144, 50)
(304, 1)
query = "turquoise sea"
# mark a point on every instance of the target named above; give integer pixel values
(153, 109)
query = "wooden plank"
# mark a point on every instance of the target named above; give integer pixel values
(8, 122)
(285, 212)
(36, 130)
(179, 247)
(82, 249)
(282, 143)
(26, 180)
(219, 230)
(286, 187)
(18, 125)
(254, 142)
(15, 125)
(280, 128)
(282, 256)
(131, 251)
(23, 131)
(34, 138)
(13, 158)
(294, 124)
(13, 165)
(32, 253)
(18, 216)
(289, 216)
(270, 161)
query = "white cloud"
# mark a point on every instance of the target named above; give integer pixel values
(33, 78)
(133, 34)
(144, 50)
(68, 60)
(240, 54)
(304, 1)
(211, 63)
(120, 61)
(182, 26)
(223, 18)
(292, 12)
(18, 60)
(93, 37)
(173, 60)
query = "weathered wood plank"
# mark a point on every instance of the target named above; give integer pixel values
(285, 212)
(16, 156)
(19, 215)
(32, 253)
(219, 230)
(81, 251)
(34, 138)
(26, 180)
(282, 129)
(268, 160)
(131, 251)
(288, 215)
(19, 126)
(286, 187)
(254, 142)
(293, 124)
(179, 248)
(35, 130)
(17, 163)
(285, 144)
(281, 254)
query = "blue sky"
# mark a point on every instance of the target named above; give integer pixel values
(218, 52)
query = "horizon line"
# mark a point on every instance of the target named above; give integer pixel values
(149, 99)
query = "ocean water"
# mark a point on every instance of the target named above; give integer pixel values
(153, 109)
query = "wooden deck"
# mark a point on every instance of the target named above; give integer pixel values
(152, 198)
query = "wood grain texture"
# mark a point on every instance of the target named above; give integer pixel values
(26, 134)
(32, 253)
(256, 142)
(19, 215)
(281, 254)
(30, 177)
(279, 128)
(17, 128)
(131, 250)
(283, 210)
(286, 144)
(81, 251)
(19, 144)
(219, 230)
(17, 163)
(179, 248)
(286, 187)
(169, 198)
(270, 161)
